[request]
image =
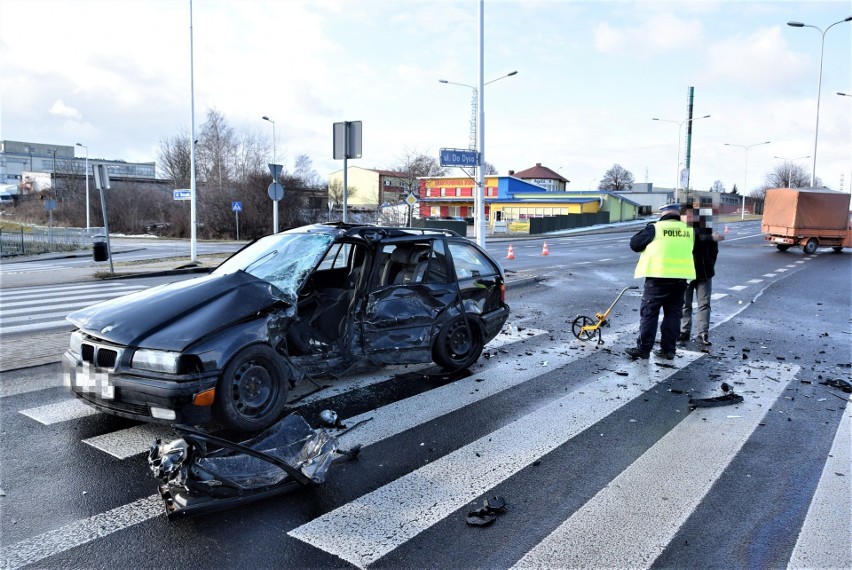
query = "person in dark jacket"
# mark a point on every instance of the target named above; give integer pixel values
(666, 264)
(704, 253)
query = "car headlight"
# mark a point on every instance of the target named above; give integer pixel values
(156, 360)
(76, 344)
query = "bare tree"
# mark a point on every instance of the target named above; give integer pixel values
(173, 158)
(413, 165)
(718, 187)
(305, 173)
(616, 179)
(335, 192)
(787, 175)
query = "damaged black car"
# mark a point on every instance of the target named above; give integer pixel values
(228, 346)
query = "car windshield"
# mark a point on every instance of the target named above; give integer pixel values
(285, 260)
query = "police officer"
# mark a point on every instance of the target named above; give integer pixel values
(666, 264)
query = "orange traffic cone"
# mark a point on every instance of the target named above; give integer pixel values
(544, 250)
(511, 252)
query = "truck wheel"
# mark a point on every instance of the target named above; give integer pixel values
(782, 247)
(810, 246)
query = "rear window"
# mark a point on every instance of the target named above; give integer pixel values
(470, 263)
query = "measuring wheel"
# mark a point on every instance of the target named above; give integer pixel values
(577, 327)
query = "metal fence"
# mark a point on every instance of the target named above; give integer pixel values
(41, 239)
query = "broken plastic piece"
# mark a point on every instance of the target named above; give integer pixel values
(842, 384)
(484, 516)
(196, 478)
(727, 400)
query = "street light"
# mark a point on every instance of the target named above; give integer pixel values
(790, 170)
(479, 199)
(819, 83)
(88, 223)
(474, 102)
(274, 161)
(680, 125)
(590, 182)
(745, 176)
(844, 94)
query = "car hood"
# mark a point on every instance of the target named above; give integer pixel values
(171, 317)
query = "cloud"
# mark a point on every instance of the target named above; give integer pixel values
(761, 60)
(61, 109)
(661, 32)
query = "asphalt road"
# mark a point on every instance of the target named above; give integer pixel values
(600, 459)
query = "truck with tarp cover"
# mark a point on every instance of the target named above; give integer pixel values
(807, 217)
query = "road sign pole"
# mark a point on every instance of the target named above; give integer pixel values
(345, 182)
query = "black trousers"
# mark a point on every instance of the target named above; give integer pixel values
(665, 294)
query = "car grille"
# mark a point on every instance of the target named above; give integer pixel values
(100, 355)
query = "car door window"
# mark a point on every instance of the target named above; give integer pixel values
(469, 262)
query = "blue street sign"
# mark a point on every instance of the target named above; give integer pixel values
(275, 191)
(459, 157)
(236, 206)
(182, 194)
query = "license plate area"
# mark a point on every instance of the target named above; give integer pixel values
(88, 378)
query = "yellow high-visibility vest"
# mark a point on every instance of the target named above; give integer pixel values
(669, 254)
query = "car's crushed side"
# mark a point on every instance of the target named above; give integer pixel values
(195, 479)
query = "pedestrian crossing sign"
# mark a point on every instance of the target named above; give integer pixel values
(236, 206)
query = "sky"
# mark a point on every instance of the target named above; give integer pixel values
(591, 75)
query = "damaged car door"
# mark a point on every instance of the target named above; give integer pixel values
(411, 297)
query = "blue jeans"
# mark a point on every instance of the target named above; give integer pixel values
(701, 290)
(665, 294)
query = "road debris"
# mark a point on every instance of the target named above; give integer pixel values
(485, 515)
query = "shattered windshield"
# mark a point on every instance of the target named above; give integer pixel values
(285, 260)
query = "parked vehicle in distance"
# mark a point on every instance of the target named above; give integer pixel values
(226, 347)
(807, 217)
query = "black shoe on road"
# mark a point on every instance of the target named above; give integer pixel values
(635, 353)
(703, 339)
(663, 354)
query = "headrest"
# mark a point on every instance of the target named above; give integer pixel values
(400, 255)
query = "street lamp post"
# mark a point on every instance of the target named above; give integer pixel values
(790, 169)
(745, 176)
(274, 161)
(88, 221)
(680, 125)
(819, 83)
(844, 94)
(479, 201)
(590, 182)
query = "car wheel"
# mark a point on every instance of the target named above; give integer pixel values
(458, 344)
(810, 246)
(252, 391)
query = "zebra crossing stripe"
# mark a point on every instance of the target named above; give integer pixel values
(131, 441)
(59, 412)
(36, 548)
(627, 522)
(821, 542)
(364, 530)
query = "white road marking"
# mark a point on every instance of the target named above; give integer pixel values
(36, 548)
(717, 296)
(769, 275)
(629, 521)
(780, 270)
(829, 519)
(131, 441)
(755, 281)
(738, 287)
(364, 530)
(63, 411)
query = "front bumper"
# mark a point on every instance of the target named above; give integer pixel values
(133, 395)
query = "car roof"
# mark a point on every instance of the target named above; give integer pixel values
(371, 232)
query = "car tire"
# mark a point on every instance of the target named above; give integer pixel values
(252, 390)
(458, 345)
(810, 246)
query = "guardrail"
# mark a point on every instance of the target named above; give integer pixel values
(33, 240)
